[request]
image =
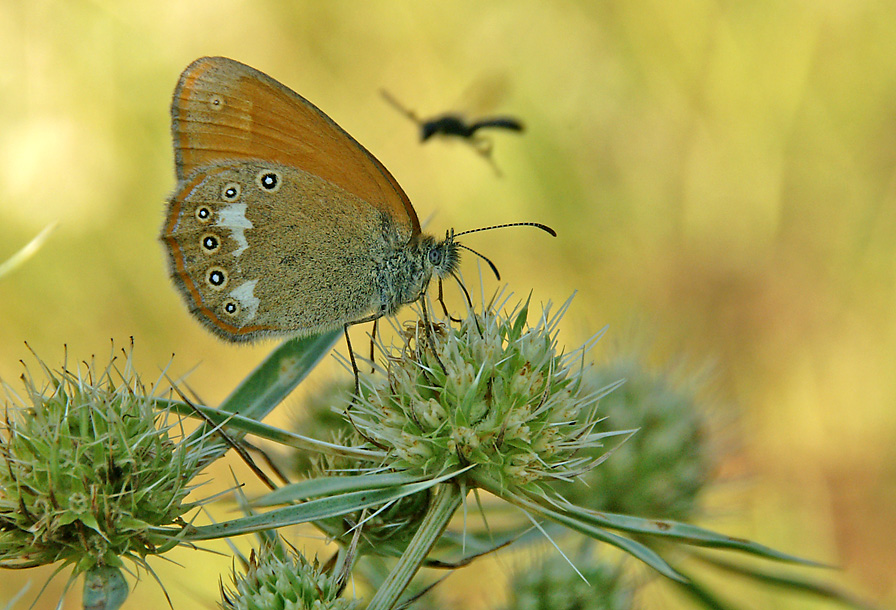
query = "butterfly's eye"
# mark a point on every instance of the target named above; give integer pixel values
(268, 180)
(435, 257)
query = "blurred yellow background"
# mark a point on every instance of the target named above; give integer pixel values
(722, 176)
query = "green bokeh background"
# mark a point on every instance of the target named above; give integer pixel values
(721, 176)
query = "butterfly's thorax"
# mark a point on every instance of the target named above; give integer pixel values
(404, 274)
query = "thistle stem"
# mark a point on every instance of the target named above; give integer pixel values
(445, 502)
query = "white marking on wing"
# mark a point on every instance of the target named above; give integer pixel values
(245, 294)
(233, 217)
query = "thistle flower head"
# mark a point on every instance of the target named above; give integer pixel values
(284, 580)
(323, 418)
(553, 583)
(659, 471)
(385, 528)
(493, 393)
(88, 465)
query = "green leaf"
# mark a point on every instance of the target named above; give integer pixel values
(236, 421)
(314, 510)
(325, 486)
(679, 532)
(636, 549)
(275, 378)
(790, 582)
(278, 375)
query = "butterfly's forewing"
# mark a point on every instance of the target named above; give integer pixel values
(224, 111)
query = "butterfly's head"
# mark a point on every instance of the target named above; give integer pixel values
(406, 276)
(433, 257)
(441, 257)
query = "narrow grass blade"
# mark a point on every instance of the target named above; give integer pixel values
(326, 486)
(276, 377)
(313, 510)
(636, 549)
(27, 251)
(790, 582)
(235, 421)
(679, 532)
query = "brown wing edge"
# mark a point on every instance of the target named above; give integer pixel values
(187, 287)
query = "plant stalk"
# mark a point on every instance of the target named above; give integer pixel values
(445, 502)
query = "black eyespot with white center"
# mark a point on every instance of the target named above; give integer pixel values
(268, 180)
(210, 242)
(216, 278)
(231, 192)
(231, 307)
(215, 101)
(203, 214)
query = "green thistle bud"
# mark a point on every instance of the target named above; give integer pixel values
(323, 418)
(387, 529)
(660, 470)
(87, 466)
(104, 588)
(283, 581)
(553, 584)
(492, 392)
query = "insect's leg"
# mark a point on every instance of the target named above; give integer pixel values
(430, 335)
(372, 339)
(441, 301)
(351, 357)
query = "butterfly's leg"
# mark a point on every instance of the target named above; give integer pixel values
(441, 301)
(351, 354)
(372, 339)
(351, 357)
(430, 335)
(357, 394)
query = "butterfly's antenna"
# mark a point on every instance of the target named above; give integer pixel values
(394, 102)
(463, 289)
(483, 257)
(537, 225)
